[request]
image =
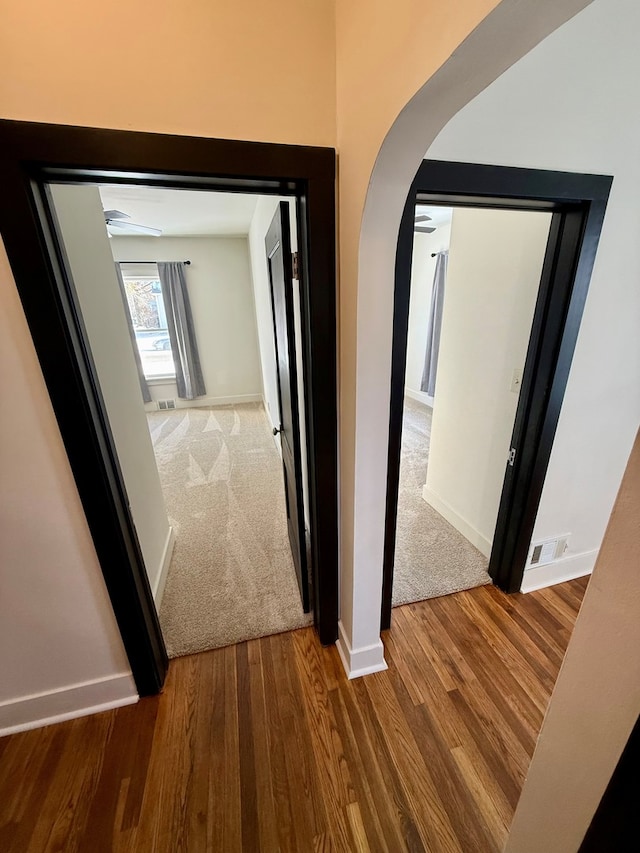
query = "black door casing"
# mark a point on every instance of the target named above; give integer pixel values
(279, 261)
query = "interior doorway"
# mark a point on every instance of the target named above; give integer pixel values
(176, 291)
(474, 282)
(90, 157)
(518, 434)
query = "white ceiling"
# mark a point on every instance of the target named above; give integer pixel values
(439, 215)
(182, 212)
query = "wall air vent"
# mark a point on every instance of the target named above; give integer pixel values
(166, 404)
(547, 551)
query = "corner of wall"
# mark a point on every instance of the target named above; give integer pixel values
(362, 661)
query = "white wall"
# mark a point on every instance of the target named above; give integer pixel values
(495, 262)
(423, 268)
(264, 213)
(590, 124)
(60, 649)
(220, 290)
(79, 212)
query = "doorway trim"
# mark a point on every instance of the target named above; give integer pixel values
(32, 155)
(577, 203)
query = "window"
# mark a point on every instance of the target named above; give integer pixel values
(146, 307)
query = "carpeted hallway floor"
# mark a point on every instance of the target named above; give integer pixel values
(231, 576)
(431, 558)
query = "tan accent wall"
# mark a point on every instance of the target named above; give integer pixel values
(596, 700)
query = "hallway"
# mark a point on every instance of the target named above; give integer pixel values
(266, 746)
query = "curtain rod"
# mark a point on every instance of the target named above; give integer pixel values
(153, 262)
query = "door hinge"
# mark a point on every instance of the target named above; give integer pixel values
(296, 265)
(511, 458)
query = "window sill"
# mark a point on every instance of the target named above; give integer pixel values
(162, 380)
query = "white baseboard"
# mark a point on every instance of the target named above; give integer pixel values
(461, 524)
(204, 401)
(363, 661)
(67, 703)
(419, 397)
(161, 580)
(566, 569)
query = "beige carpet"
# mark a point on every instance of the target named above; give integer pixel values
(432, 558)
(231, 576)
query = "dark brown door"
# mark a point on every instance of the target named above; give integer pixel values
(279, 260)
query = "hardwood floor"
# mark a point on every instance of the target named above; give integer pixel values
(265, 746)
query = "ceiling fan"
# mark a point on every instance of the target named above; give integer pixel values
(117, 223)
(419, 224)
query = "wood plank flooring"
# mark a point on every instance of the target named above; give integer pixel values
(265, 746)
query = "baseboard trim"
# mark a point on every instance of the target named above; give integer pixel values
(419, 397)
(359, 662)
(205, 401)
(566, 569)
(67, 703)
(462, 525)
(161, 581)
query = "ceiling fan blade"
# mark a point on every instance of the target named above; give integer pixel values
(115, 214)
(424, 229)
(132, 228)
(422, 217)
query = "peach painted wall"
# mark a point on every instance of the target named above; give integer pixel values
(596, 700)
(238, 69)
(232, 68)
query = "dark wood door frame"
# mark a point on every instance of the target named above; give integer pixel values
(577, 203)
(31, 155)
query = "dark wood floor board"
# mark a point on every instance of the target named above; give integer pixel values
(232, 794)
(326, 742)
(415, 777)
(558, 607)
(215, 664)
(64, 817)
(436, 698)
(450, 665)
(499, 726)
(377, 785)
(198, 832)
(267, 818)
(30, 758)
(537, 653)
(553, 650)
(282, 800)
(20, 766)
(441, 715)
(516, 661)
(372, 837)
(490, 668)
(266, 747)
(308, 812)
(532, 607)
(511, 646)
(435, 748)
(408, 660)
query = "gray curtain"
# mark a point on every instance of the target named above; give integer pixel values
(189, 377)
(146, 394)
(428, 383)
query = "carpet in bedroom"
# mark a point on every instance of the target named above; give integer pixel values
(432, 558)
(231, 576)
